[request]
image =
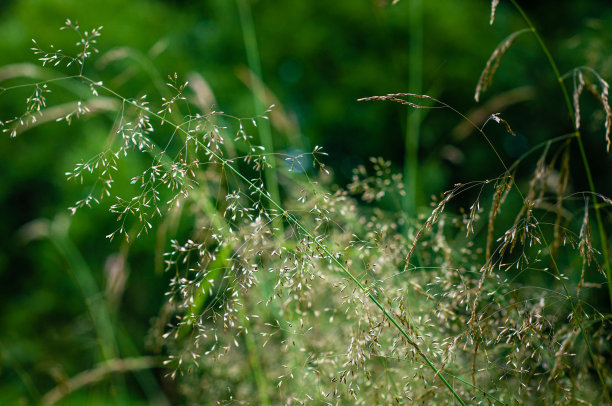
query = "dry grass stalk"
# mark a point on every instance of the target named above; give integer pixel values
(523, 228)
(494, 4)
(97, 374)
(495, 117)
(486, 77)
(483, 112)
(600, 91)
(606, 106)
(397, 97)
(431, 220)
(578, 87)
(502, 187)
(585, 244)
(562, 187)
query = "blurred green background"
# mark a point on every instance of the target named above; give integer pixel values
(318, 57)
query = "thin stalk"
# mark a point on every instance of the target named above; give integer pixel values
(602, 233)
(97, 374)
(259, 96)
(256, 367)
(89, 287)
(414, 116)
(94, 298)
(145, 377)
(390, 379)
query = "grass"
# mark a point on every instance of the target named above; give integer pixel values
(316, 294)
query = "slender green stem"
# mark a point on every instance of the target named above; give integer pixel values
(256, 367)
(145, 377)
(551, 60)
(94, 299)
(86, 282)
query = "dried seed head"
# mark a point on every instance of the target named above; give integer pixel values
(495, 117)
(398, 98)
(601, 92)
(502, 187)
(584, 244)
(606, 105)
(494, 4)
(486, 77)
(578, 87)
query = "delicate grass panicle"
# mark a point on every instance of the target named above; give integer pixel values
(327, 297)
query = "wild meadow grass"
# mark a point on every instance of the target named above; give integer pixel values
(286, 289)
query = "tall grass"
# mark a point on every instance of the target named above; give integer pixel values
(319, 295)
(414, 116)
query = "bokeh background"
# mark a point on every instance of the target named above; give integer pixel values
(318, 57)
